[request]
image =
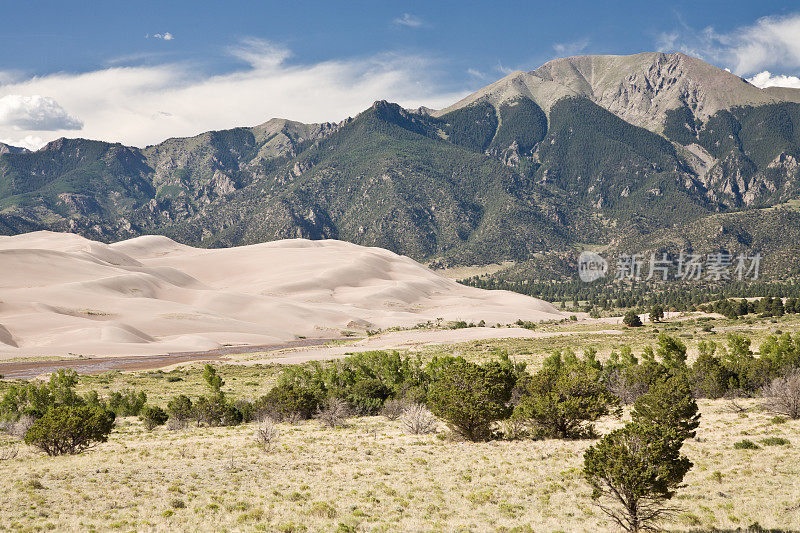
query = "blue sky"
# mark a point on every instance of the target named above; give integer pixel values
(138, 72)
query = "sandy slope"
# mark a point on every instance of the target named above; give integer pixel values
(62, 294)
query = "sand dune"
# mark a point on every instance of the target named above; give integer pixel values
(62, 294)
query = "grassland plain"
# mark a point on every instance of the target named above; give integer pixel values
(372, 476)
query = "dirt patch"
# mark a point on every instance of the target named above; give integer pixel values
(97, 365)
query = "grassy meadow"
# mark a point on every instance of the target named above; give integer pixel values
(371, 475)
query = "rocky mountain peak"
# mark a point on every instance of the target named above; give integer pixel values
(8, 149)
(638, 88)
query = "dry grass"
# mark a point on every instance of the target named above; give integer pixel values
(373, 476)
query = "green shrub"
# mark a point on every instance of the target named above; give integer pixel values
(177, 503)
(247, 409)
(35, 399)
(153, 416)
(775, 441)
(631, 319)
(70, 429)
(470, 397)
(564, 400)
(746, 444)
(287, 401)
(215, 411)
(656, 313)
(633, 471)
(669, 405)
(180, 408)
(212, 379)
(367, 396)
(127, 402)
(671, 351)
(710, 378)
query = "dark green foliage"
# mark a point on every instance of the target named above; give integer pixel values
(782, 352)
(180, 408)
(628, 378)
(471, 127)
(731, 308)
(248, 410)
(656, 313)
(748, 372)
(127, 402)
(564, 398)
(470, 397)
(215, 411)
(67, 429)
(367, 396)
(288, 400)
(769, 306)
(631, 319)
(746, 444)
(212, 379)
(671, 351)
(212, 410)
(597, 141)
(633, 471)
(669, 405)
(775, 441)
(365, 380)
(709, 377)
(681, 126)
(152, 416)
(35, 399)
(523, 122)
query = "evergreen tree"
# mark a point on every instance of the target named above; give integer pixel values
(669, 405)
(656, 313)
(471, 397)
(633, 471)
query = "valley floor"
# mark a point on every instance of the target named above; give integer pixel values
(371, 476)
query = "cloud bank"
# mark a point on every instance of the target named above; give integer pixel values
(766, 79)
(35, 112)
(146, 104)
(770, 43)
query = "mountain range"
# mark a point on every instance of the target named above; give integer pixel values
(621, 154)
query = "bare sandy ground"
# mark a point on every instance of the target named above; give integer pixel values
(63, 295)
(410, 339)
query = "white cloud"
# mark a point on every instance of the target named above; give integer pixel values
(166, 36)
(31, 142)
(146, 104)
(409, 20)
(771, 42)
(570, 48)
(502, 69)
(35, 112)
(765, 79)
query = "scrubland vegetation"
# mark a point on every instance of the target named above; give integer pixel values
(687, 429)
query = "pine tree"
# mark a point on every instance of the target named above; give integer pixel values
(633, 471)
(669, 405)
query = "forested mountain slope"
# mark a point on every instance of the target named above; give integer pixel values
(620, 152)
